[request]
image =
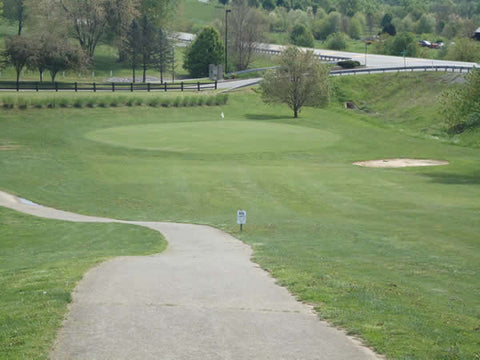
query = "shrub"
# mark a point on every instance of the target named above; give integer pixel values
(79, 103)
(348, 64)
(22, 103)
(8, 103)
(301, 36)
(210, 100)
(51, 103)
(166, 102)
(91, 102)
(154, 102)
(63, 102)
(337, 41)
(177, 101)
(114, 102)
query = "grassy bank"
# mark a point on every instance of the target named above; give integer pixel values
(40, 263)
(389, 254)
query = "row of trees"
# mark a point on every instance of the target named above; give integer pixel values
(141, 40)
(336, 21)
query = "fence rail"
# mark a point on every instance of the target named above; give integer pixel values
(62, 86)
(443, 68)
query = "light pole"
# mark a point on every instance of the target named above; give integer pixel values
(226, 38)
(367, 42)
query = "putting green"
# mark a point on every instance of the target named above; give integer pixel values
(211, 137)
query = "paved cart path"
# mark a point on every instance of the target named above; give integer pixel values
(202, 298)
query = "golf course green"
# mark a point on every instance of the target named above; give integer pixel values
(390, 255)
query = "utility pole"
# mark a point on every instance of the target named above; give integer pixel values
(226, 39)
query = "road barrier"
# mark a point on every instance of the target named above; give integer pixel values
(442, 68)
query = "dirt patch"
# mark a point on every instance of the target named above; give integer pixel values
(8, 147)
(399, 163)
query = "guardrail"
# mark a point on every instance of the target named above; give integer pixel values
(443, 68)
(62, 86)
(326, 58)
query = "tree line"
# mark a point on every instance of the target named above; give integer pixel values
(137, 28)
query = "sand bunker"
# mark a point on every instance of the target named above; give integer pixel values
(398, 163)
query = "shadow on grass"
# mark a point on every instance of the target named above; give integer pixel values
(265, 117)
(453, 178)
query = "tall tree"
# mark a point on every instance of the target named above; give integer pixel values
(15, 10)
(160, 12)
(148, 44)
(131, 46)
(164, 54)
(206, 49)
(301, 80)
(17, 52)
(88, 19)
(246, 27)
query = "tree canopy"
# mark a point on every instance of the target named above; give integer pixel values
(205, 50)
(299, 81)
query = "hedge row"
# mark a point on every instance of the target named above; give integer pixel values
(21, 102)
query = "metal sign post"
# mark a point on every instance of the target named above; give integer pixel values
(241, 218)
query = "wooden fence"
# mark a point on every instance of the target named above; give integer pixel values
(62, 86)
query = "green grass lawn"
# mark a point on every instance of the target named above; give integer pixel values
(40, 263)
(391, 255)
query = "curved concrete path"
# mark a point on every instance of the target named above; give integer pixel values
(202, 298)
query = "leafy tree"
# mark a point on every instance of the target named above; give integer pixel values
(246, 28)
(460, 106)
(62, 55)
(223, 2)
(301, 36)
(349, 7)
(464, 50)
(402, 42)
(88, 19)
(159, 12)
(17, 52)
(299, 81)
(206, 49)
(337, 41)
(268, 5)
(15, 10)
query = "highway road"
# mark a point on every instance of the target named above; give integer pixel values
(372, 60)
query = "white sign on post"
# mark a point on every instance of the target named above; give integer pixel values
(241, 217)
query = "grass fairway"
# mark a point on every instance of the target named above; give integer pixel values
(390, 254)
(40, 263)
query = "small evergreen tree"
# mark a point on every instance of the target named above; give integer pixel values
(205, 50)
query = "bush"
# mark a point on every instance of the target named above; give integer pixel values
(8, 103)
(337, 41)
(301, 36)
(177, 101)
(23, 103)
(348, 64)
(166, 102)
(154, 102)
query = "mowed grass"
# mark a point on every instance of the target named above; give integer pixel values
(41, 261)
(391, 255)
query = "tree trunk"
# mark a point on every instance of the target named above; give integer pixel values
(144, 73)
(133, 73)
(295, 112)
